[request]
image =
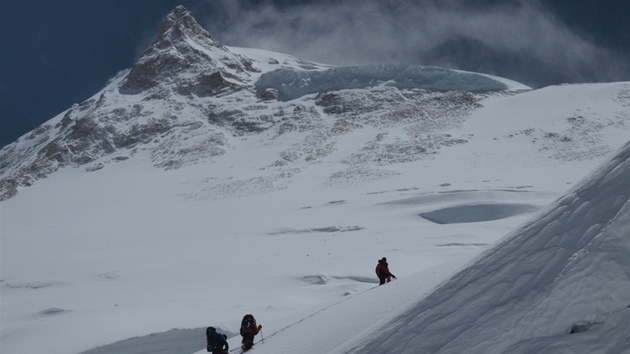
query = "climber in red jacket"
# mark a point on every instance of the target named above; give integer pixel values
(382, 271)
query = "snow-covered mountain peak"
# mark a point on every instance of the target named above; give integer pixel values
(179, 25)
(183, 45)
(190, 99)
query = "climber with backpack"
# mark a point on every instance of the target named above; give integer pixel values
(382, 271)
(249, 330)
(217, 342)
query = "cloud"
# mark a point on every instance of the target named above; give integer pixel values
(516, 37)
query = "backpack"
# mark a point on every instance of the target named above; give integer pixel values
(248, 322)
(211, 337)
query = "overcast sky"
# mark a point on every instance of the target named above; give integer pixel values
(56, 53)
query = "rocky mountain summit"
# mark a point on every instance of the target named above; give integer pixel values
(189, 98)
(183, 47)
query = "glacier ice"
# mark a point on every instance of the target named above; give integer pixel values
(291, 83)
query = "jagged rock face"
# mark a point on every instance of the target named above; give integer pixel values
(177, 50)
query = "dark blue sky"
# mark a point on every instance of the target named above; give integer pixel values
(56, 53)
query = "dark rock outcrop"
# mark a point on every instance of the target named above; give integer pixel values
(182, 45)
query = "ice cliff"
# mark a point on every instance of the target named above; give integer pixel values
(291, 84)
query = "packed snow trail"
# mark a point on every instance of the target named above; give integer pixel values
(323, 328)
(565, 271)
(260, 340)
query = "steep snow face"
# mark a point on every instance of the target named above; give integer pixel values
(561, 274)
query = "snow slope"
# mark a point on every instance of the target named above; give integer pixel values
(565, 271)
(557, 284)
(138, 250)
(193, 202)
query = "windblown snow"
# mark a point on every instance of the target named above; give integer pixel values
(208, 182)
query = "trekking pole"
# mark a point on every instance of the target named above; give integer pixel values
(262, 338)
